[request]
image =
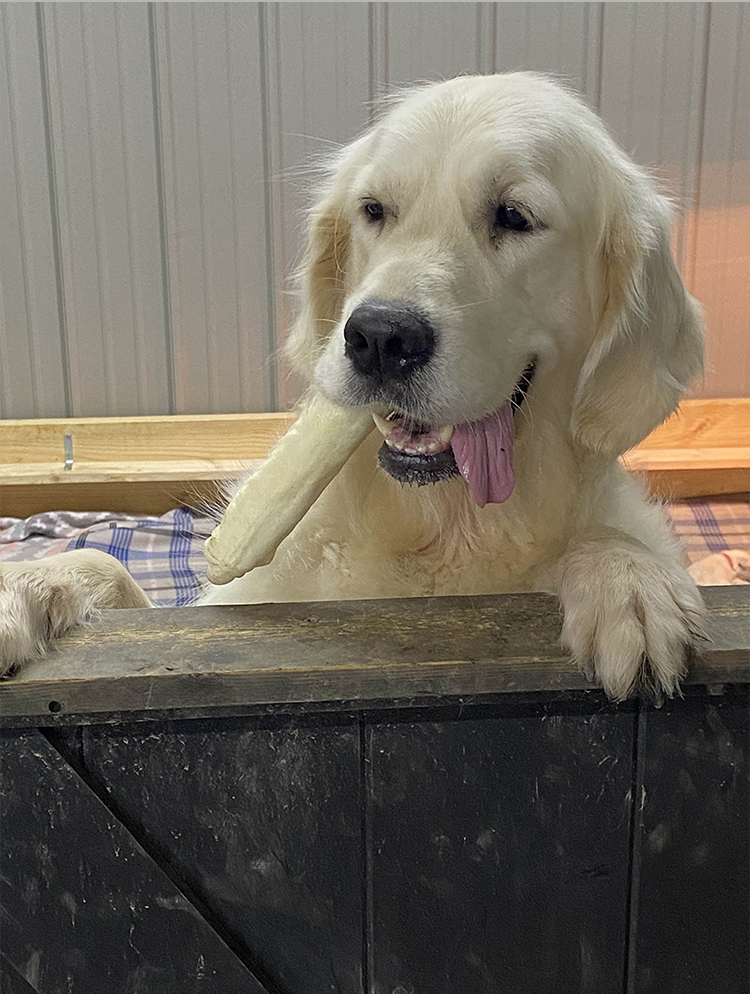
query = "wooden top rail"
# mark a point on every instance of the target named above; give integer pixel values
(192, 662)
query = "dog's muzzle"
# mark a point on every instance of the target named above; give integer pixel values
(420, 454)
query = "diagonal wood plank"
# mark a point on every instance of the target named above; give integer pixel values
(261, 820)
(11, 981)
(85, 908)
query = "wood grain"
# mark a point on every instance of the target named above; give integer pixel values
(101, 915)
(680, 473)
(190, 661)
(692, 848)
(704, 424)
(143, 439)
(143, 497)
(147, 465)
(152, 471)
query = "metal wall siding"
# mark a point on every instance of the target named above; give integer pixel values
(210, 95)
(156, 170)
(431, 40)
(721, 248)
(320, 84)
(651, 93)
(105, 158)
(549, 37)
(32, 359)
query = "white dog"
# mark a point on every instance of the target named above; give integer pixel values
(491, 274)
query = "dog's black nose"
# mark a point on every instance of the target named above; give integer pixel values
(388, 342)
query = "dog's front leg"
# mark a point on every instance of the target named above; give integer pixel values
(42, 599)
(630, 613)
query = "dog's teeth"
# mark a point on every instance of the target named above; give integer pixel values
(381, 424)
(432, 446)
(422, 449)
(399, 446)
(446, 432)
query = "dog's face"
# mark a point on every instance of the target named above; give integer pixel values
(485, 231)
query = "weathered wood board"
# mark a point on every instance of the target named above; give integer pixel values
(514, 851)
(262, 823)
(692, 848)
(190, 661)
(413, 796)
(85, 908)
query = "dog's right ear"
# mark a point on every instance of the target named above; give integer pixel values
(321, 281)
(322, 274)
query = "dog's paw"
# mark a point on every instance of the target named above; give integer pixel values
(630, 616)
(43, 599)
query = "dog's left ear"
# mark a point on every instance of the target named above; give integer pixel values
(649, 344)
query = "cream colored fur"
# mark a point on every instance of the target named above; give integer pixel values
(593, 293)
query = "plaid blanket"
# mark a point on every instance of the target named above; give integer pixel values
(165, 554)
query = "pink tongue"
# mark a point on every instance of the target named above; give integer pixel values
(484, 455)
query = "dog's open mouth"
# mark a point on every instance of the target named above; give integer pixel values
(480, 451)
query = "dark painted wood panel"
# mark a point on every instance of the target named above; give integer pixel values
(85, 910)
(499, 853)
(694, 842)
(11, 981)
(263, 821)
(187, 661)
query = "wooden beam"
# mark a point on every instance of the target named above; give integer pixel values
(147, 465)
(704, 424)
(676, 473)
(210, 437)
(142, 497)
(203, 661)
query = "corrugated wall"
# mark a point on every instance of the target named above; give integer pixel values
(153, 172)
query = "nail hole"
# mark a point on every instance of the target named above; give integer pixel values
(54, 706)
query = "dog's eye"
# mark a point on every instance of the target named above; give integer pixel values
(511, 219)
(373, 210)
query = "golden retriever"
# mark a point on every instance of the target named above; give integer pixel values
(491, 274)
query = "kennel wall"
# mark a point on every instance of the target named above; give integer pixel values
(371, 797)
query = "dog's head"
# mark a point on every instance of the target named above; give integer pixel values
(488, 232)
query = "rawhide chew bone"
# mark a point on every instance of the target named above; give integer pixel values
(276, 498)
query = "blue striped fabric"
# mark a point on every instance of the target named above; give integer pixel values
(164, 555)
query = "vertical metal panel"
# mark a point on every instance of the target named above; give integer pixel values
(721, 234)
(652, 69)
(210, 92)
(425, 41)
(32, 361)
(651, 93)
(319, 86)
(156, 171)
(105, 161)
(559, 38)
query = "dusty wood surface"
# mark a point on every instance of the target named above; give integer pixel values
(185, 661)
(85, 907)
